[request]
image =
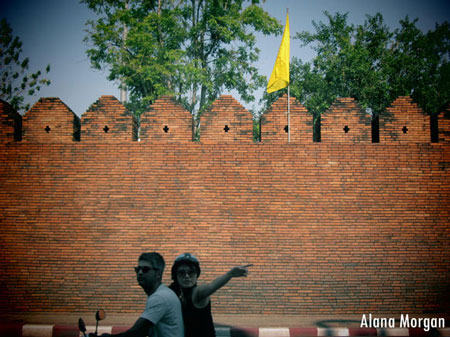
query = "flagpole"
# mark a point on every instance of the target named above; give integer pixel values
(289, 101)
(289, 116)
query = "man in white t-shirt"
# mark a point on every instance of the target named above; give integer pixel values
(162, 316)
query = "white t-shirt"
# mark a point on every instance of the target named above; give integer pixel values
(163, 309)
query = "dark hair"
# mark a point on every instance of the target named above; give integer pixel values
(155, 259)
(183, 294)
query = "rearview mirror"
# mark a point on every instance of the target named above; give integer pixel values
(81, 325)
(100, 315)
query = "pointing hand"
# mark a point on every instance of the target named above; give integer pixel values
(240, 271)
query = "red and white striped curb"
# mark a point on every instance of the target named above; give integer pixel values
(40, 330)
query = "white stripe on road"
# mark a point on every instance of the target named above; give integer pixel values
(101, 329)
(332, 332)
(274, 332)
(37, 330)
(223, 332)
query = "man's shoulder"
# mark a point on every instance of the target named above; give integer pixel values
(164, 291)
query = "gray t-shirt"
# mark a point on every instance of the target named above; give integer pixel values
(163, 309)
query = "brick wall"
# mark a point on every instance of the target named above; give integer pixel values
(226, 121)
(166, 121)
(444, 124)
(345, 121)
(10, 123)
(404, 122)
(331, 228)
(274, 123)
(50, 120)
(107, 120)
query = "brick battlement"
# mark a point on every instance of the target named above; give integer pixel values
(345, 121)
(444, 124)
(50, 120)
(166, 121)
(274, 123)
(405, 122)
(341, 227)
(107, 120)
(226, 121)
(10, 123)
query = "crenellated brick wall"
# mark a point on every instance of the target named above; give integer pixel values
(444, 124)
(226, 121)
(50, 120)
(274, 123)
(339, 227)
(107, 120)
(404, 122)
(166, 121)
(345, 121)
(10, 123)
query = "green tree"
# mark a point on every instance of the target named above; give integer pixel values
(419, 64)
(372, 64)
(16, 84)
(191, 49)
(139, 42)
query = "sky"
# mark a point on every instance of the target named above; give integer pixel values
(52, 32)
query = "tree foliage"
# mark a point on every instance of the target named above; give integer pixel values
(373, 64)
(16, 83)
(191, 49)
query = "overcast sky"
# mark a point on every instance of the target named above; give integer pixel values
(52, 32)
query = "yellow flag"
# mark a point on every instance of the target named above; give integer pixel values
(280, 73)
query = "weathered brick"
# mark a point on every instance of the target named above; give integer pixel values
(10, 123)
(345, 121)
(330, 228)
(107, 120)
(274, 123)
(444, 124)
(338, 227)
(404, 121)
(226, 121)
(166, 121)
(50, 120)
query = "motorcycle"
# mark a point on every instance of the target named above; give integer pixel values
(99, 316)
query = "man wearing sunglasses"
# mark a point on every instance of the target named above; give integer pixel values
(162, 316)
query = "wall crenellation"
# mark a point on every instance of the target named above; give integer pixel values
(107, 120)
(11, 123)
(337, 227)
(405, 122)
(275, 124)
(50, 120)
(166, 121)
(444, 124)
(226, 121)
(345, 121)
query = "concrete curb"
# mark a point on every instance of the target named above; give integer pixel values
(41, 330)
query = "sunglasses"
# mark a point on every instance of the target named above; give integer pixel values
(145, 269)
(190, 273)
